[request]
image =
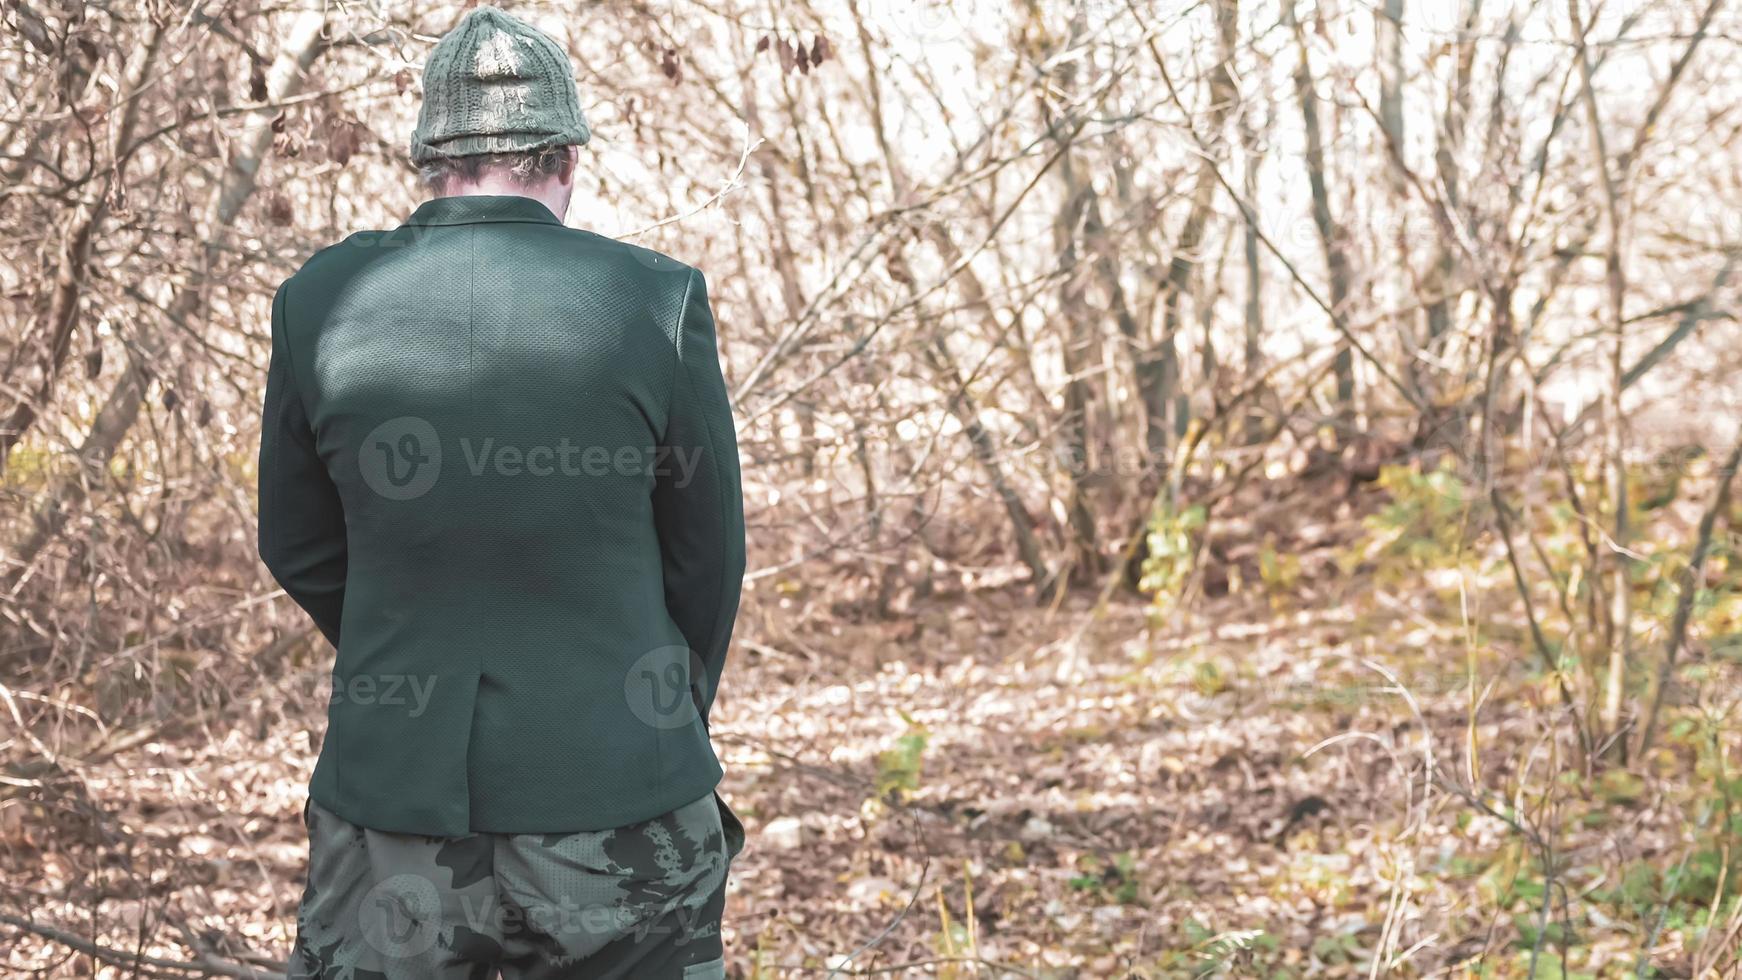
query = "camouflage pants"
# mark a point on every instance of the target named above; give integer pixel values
(642, 901)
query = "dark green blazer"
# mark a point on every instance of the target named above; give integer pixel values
(498, 469)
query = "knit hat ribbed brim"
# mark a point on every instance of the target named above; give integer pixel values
(496, 84)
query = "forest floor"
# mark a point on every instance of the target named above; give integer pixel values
(985, 788)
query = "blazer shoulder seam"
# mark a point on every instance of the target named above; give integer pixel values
(683, 309)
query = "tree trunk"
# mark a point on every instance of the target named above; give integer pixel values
(1330, 236)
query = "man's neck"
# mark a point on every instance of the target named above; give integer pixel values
(552, 195)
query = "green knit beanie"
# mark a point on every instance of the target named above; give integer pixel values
(495, 84)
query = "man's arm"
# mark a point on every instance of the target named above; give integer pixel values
(302, 522)
(698, 501)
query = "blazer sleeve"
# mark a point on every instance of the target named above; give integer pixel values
(302, 521)
(698, 500)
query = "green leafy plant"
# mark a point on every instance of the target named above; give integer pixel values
(898, 768)
(1117, 879)
(1172, 552)
(1428, 522)
(1214, 952)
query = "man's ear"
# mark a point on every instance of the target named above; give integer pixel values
(566, 167)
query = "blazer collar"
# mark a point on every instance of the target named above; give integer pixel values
(481, 208)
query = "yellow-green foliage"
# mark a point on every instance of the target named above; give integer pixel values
(1717, 612)
(28, 467)
(1429, 522)
(1172, 547)
(1279, 571)
(898, 768)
